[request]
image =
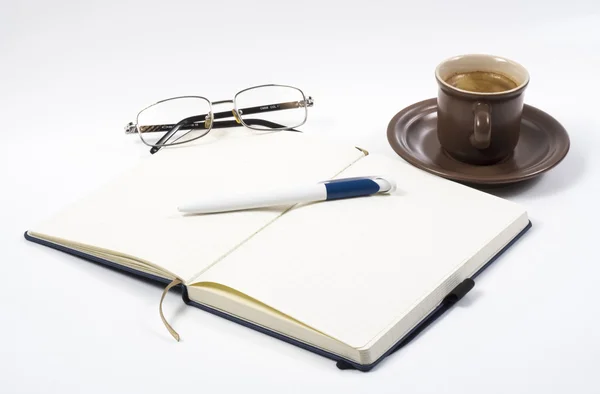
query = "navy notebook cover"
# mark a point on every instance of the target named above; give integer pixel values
(342, 363)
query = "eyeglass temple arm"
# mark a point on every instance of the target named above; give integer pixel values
(131, 128)
(222, 124)
(195, 123)
(220, 115)
(309, 102)
(199, 121)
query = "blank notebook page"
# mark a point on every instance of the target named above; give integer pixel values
(353, 268)
(137, 214)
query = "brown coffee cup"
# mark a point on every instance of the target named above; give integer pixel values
(479, 107)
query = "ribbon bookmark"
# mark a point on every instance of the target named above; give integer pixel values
(174, 283)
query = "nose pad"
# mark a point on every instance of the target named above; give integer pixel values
(208, 121)
(236, 116)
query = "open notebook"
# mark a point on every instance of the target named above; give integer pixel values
(348, 279)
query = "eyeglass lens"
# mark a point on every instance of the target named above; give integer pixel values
(183, 119)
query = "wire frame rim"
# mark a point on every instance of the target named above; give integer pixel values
(235, 107)
(210, 112)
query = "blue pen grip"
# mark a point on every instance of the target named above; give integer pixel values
(350, 188)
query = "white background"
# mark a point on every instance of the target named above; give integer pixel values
(73, 73)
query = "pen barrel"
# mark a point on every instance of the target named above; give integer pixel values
(258, 199)
(348, 188)
(279, 196)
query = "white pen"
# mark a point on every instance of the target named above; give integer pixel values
(262, 198)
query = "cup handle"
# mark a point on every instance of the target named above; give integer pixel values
(482, 126)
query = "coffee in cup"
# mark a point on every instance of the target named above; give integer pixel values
(481, 82)
(480, 104)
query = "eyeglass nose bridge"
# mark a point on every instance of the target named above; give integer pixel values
(222, 102)
(236, 116)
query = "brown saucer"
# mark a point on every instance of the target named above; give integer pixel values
(543, 143)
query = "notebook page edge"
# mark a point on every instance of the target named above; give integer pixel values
(378, 345)
(501, 225)
(107, 254)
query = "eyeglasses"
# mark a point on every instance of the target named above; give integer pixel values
(179, 120)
